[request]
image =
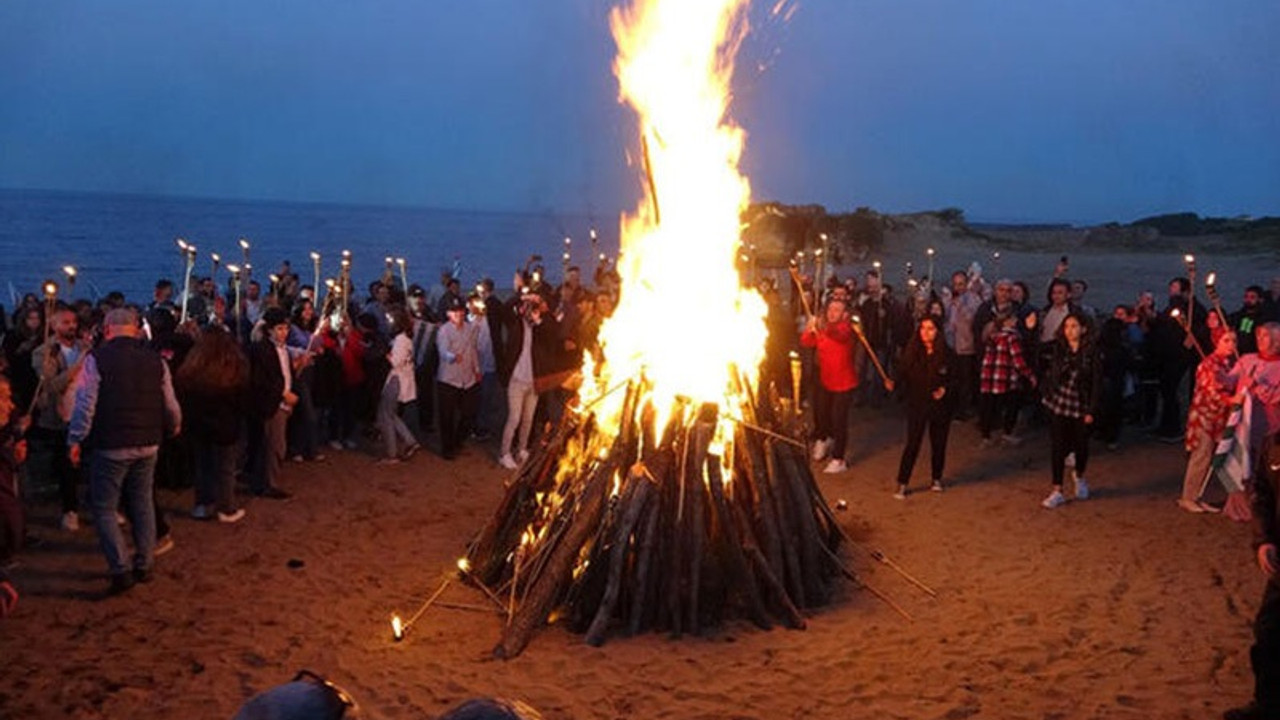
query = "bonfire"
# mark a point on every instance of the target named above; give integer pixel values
(672, 495)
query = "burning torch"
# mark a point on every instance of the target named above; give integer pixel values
(929, 277)
(71, 279)
(315, 266)
(244, 248)
(344, 281)
(404, 275)
(1185, 324)
(1190, 261)
(235, 283)
(1211, 289)
(50, 304)
(189, 253)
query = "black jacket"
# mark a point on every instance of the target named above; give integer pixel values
(1088, 382)
(921, 374)
(130, 410)
(213, 416)
(266, 381)
(1266, 499)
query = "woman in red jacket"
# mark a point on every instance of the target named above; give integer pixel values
(833, 337)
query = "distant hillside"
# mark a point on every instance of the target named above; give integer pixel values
(775, 232)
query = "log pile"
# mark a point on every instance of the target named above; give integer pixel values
(659, 532)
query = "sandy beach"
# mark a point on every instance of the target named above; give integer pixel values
(1119, 607)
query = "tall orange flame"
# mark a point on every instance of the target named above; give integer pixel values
(684, 321)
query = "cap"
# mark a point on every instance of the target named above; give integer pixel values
(453, 302)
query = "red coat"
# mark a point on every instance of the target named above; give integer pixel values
(835, 355)
(352, 355)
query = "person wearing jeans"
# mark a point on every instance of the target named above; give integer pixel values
(1072, 386)
(522, 395)
(458, 378)
(124, 407)
(399, 389)
(834, 341)
(926, 380)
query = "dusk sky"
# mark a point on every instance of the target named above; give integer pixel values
(1048, 110)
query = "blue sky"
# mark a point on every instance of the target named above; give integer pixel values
(1040, 110)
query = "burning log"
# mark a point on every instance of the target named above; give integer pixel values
(679, 540)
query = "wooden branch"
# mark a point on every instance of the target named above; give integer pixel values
(542, 594)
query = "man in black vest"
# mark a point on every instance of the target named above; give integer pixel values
(271, 385)
(124, 408)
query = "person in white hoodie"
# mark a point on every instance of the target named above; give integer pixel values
(399, 389)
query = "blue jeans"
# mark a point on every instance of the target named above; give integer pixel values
(108, 478)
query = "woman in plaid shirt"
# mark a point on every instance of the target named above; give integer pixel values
(1002, 364)
(1071, 393)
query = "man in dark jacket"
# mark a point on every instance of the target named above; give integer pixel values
(272, 399)
(1265, 653)
(124, 408)
(1173, 348)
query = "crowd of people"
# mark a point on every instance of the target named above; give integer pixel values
(107, 399)
(117, 396)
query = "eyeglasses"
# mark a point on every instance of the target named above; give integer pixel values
(336, 692)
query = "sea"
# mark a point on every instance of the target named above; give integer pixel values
(128, 242)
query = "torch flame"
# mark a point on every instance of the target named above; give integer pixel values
(684, 321)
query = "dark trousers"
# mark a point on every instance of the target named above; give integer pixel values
(1171, 414)
(937, 419)
(12, 519)
(49, 455)
(303, 431)
(1111, 414)
(424, 377)
(1001, 408)
(457, 413)
(216, 475)
(1265, 653)
(831, 418)
(966, 369)
(1067, 435)
(342, 419)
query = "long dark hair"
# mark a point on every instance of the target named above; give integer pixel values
(215, 364)
(400, 321)
(915, 346)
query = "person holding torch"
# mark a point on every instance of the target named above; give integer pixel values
(832, 337)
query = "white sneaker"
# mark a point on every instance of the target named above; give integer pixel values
(835, 466)
(508, 462)
(234, 516)
(900, 493)
(69, 522)
(820, 448)
(1055, 499)
(522, 456)
(936, 486)
(1082, 488)
(1069, 460)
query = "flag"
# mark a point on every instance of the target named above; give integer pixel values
(1231, 464)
